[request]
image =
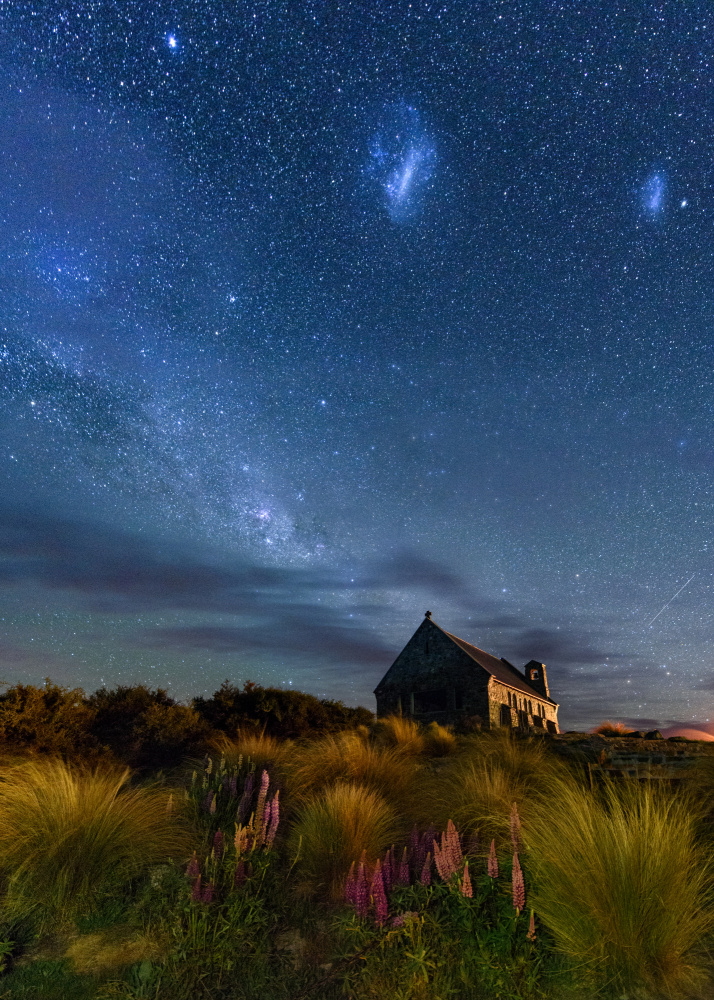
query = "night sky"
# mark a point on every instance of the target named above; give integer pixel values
(316, 315)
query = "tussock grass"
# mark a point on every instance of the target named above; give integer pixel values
(349, 757)
(621, 885)
(399, 733)
(477, 786)
(608, 728)
(332, 830)
(266, 752)
(439, 741)
(70, 837)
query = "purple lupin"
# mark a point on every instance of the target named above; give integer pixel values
(361, 891)
(403, 872)
(425, 877)
(379, 897)
(244, 804)
(274, 820)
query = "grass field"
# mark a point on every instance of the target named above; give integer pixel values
(382, 861)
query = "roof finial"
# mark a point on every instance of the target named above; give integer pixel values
(427, 614)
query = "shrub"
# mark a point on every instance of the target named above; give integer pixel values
(333, 829)
(619, 882)
(280, 713)
(265, 752)
(69, 837)
(49, 720)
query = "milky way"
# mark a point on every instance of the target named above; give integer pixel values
(317, 316)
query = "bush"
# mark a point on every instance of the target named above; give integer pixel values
(284, 714)
(332, 830)
(621, 885)
(69, 837)
(49, 720)
(265, 752)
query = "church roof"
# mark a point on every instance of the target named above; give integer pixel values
(502, 670)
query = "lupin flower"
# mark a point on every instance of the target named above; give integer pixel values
(218, 843)
(493, 861)
(274, 820)
(361, 890)
(379, 898)
(515, 828)
(441, 861)
(208, 801)
(262, 795)
(193, 867)
(425, 877)
(398, 921)
(196, 895)
(240, 841)
(387, 872)
(212, 808)
(233, 786)
(453, 846)
(519, 889)
(207, 896)
(403, 872)
(350, 885)
(262, 833)
(531, 935)
(466, 887)
(240, 874)
(208, 764)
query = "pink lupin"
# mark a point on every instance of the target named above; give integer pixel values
(274, 820)
(193, 867)
(207, 896)
(403, 873)
(454, 846)
(492, 867)
(218, 843)
(387, 872)
(519, 889)
(379, 898)
(196, 895)
(350, 885)
(260, 805)
(531, 935)
(466, 887)
(361, 891)
(240, 874)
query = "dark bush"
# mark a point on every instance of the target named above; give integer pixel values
(49, 720)
(288, 714)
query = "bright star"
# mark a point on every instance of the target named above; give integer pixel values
(683, 203)
(172, 41)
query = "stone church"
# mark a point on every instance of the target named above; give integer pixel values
(439, 677)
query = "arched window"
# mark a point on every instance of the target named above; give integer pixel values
(530, 707)
(534, 675)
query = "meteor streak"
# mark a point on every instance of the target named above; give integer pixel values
(672, 598)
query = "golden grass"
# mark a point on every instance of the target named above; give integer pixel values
(349, 757)
(398, 733)
(620, 883)
(69, 837)
(476, 787)
(608, 728)
(112, 949)
(439, 741)
(266, 752)
(331, 831)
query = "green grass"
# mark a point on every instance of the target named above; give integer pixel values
(623, 886)
(331, 831)
(71, 837)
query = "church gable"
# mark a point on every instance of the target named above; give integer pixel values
(438, 676)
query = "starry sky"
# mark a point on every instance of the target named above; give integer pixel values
(315, 315)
